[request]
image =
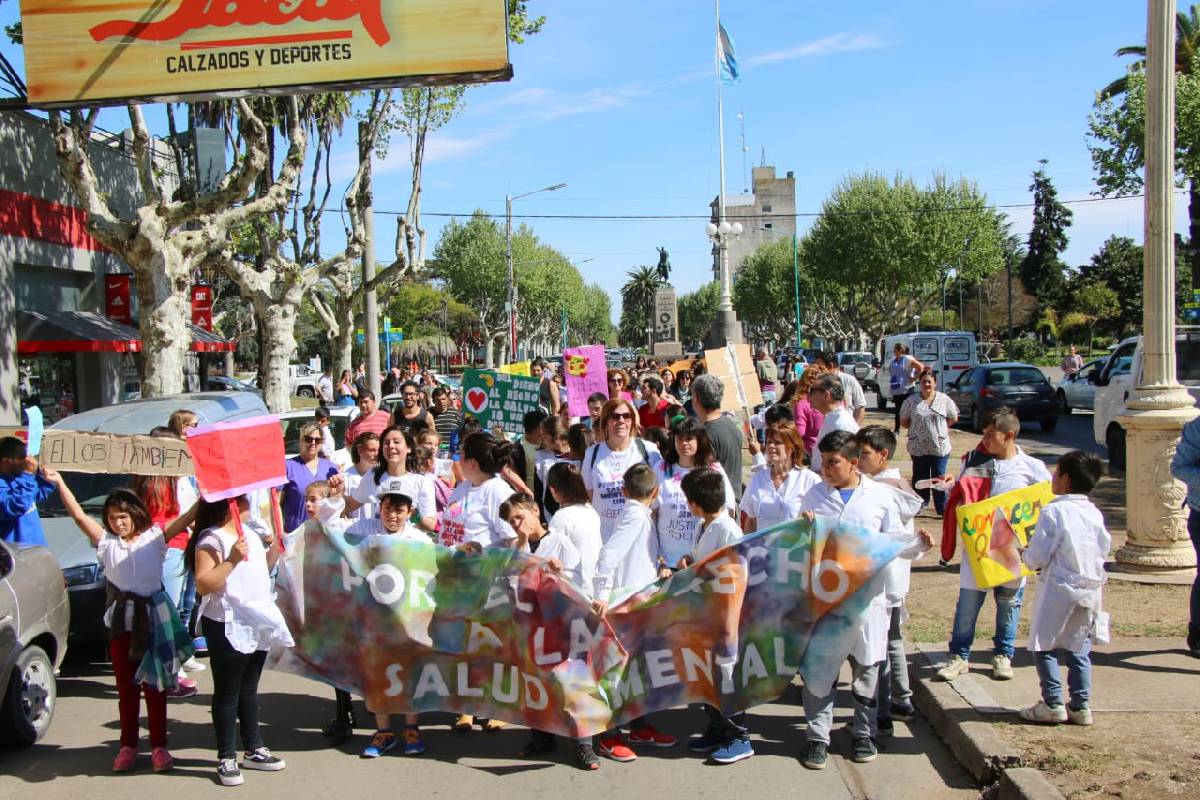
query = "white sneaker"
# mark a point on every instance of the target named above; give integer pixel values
(1081, 717)
(1040, 712)
(192, 665)
(1001, 668)
(957, 665)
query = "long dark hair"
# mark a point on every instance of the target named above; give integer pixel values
(690, 428)
(565, 479)
(209, 514)
(491, 456)
(125, 500)
(409, 445)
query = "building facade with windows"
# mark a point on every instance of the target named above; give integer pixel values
(767, 215)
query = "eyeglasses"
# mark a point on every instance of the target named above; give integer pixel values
(621, 416)
(312, 439)
(616, 380)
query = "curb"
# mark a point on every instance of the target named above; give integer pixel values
(989, 759)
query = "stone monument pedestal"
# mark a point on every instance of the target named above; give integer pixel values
(725, 328)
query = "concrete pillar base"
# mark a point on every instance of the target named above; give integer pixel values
(725, 328)
(1157, 532)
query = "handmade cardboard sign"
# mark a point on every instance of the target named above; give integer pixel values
(994, 530)
(496, 398)
(586, 372)
(114, 454)
(515, 368)
(734, 365)
(411, 626)
(233, 458)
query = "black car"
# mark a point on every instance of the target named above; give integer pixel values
(1021, 387)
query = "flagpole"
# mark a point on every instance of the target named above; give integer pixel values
(720, 127)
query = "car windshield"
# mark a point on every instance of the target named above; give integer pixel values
(89, 490)
(1016, 376)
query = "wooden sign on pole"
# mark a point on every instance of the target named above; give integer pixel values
(734, 365)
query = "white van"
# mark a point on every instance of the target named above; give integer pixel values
(1116, 378)
(947, 353)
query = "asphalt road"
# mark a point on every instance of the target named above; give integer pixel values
(74, 760)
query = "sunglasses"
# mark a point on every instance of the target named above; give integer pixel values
(620, 416)
(312, 439)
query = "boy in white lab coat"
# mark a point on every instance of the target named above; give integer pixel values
(877, 444)
(726, 740)
(852, 497)
(1068, 546)
(628, 563)
(1010, 469)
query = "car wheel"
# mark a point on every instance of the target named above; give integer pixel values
(977, 418)
(1049, 424)
(1063, 406)
(29, 701)
(1114, 440)
(306, 391)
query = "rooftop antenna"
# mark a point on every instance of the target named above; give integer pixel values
(763, 163)
(745, 174)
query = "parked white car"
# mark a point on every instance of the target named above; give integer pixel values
(1122, 372)
(1076, 391)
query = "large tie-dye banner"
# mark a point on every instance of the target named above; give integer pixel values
(413, 626)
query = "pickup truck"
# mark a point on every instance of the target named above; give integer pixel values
(301, 377)
(1116, 378)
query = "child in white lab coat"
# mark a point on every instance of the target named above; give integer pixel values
(877, 444)
(1068, 547)
(850, 496)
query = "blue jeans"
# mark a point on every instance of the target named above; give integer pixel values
(1194, 532)
(179, 584)
(1079, 676)
(930, 467)
(966, 612)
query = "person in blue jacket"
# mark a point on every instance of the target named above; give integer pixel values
(1185, 466)
(22, 487)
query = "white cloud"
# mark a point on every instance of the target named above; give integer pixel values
(838, 43)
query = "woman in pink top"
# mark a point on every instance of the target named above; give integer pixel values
(808, 419)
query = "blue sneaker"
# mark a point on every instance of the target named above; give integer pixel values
(413, 746)
(199, 646)
(382, 742)
(710, 740)
(735, 749)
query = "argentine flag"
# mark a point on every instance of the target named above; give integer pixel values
(726, 59)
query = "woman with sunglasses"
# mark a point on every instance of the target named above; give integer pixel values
(302, 470)
(618, 384)
(681, 387)
(604, 463)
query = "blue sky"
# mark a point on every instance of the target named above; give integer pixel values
(616, 99)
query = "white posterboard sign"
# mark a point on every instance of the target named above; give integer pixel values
(734, 365)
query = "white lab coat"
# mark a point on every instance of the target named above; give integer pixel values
(1069, 546)
(629, 559)
(873, 507)
(908, 505)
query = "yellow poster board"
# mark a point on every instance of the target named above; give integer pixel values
(994, 531)
(515, 368)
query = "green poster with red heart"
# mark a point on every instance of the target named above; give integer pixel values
(497, 398)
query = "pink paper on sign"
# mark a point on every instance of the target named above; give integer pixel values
(234, 458)
(586, 372)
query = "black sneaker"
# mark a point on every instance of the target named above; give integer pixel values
(885, 727)
(228, 772)
(1193, 643)
(816, 754)
(539, 744)
(339, 731)
(586, 758)
(864, 750)
(261, 758)
(903, 710)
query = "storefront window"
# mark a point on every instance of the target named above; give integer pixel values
(48, 381)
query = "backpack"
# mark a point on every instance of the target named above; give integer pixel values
(641, 446)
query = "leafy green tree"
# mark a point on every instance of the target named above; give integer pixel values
(1118, 129)
(764, 293)
(1187, 45)
(1042, 272)
(878, 253)
(697, 310)
(1118, 264)
(1096, 303)
(637, 302)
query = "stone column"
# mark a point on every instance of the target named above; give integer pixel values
(1159, 407)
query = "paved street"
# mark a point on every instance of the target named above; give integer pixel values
(81, 744)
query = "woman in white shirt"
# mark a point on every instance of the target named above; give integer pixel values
(241, 623)
(774, 494)
(675, 525)
(395, 474)
(604, 463)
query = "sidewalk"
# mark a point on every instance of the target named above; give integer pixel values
(1145, 742)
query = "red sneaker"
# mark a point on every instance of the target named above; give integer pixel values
(186, 688)
(613, 747)
(649, 736)
(125, 759)
(161, 760)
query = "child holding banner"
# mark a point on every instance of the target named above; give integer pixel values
(675, 522)
(1010, 469)
(146, 641)
(395, 473)
(1069, 546)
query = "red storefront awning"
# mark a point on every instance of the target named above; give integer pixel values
(208, 342)
(73, 332)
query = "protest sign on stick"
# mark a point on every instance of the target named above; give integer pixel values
(497, 398)
(993, 532)
(734, 365)
(233, 458)
(586, 372)
(115, 454)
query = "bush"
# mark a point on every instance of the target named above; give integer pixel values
(1027, 350)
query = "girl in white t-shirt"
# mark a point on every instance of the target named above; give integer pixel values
(233, 558)
(146, 641)
(365, 452)
(395, 473)
(575, 518)
(675, 525)
(604, 464)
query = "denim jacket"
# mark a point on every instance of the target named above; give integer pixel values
(1186, 464)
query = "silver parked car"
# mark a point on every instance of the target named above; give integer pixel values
(34, 618)
(75, 554)
(1076, 391)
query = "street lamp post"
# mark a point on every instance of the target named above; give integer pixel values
(725, 327)
(512, 283)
